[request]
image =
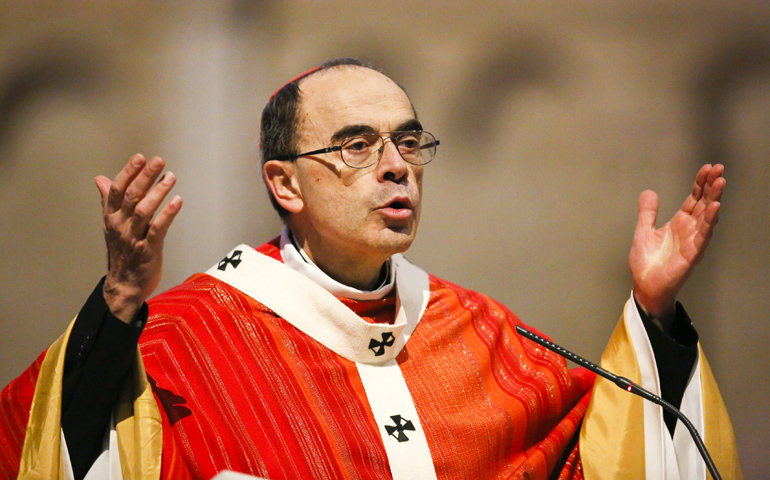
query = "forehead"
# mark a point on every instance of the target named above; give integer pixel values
(343, 96)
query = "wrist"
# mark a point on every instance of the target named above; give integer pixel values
(123, 301)
(662, 311)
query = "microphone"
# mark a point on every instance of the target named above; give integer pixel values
(629, 386)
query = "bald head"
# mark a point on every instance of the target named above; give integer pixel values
(341, 101)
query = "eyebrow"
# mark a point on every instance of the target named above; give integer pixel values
(359, 129)
(352, 131)
(411, 124)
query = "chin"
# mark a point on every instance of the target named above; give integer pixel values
(397, 240)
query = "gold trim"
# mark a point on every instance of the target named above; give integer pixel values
(42, 442)
(139, 423)
(139, 427)
(612, 435)
(718, 434)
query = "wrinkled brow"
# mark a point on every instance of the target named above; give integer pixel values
(359, 129)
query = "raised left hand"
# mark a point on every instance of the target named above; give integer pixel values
(662, 259)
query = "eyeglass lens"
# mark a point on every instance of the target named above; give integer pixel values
(361, 151)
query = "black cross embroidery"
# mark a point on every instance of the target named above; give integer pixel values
(379, 347)
(234, 260)
(399, 428)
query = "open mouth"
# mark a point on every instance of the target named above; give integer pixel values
(401, 202)
(398, 209)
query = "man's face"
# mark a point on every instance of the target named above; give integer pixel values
(372, 211)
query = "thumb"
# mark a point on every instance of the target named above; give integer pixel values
(648, 209)
(103, 184)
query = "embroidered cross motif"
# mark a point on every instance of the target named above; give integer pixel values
(379, 347)
(234, 260)
(399, 428)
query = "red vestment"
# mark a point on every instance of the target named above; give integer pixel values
(242, 389)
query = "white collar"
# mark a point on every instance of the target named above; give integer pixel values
(295, 258)
(319, 314)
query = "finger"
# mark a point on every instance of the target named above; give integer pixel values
(715, 172)
(715, 183)
(711, 217)
(706, 228)
(141, 184)
(712, 193)
(697, 189)
(160, 225)
(146, 208)
(121, 182)
(648, 209)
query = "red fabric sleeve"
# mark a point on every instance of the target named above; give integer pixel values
(15, 406)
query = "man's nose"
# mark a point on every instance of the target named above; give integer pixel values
(392, 167)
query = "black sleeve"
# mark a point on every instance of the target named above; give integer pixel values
(100, 353)
(675, 356)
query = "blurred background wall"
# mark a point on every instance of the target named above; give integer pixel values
(552, 117)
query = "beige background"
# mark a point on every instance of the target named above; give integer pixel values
(553, 116)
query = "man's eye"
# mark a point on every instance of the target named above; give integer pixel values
(408, 142)
(357, 144)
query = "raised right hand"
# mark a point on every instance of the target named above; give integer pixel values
(134, 239)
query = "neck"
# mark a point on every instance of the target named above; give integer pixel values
(362, 272)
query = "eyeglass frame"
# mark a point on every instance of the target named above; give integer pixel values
(338, 148)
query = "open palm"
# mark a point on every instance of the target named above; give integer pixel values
(662, 259)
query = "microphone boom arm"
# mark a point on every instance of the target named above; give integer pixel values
(629, 386)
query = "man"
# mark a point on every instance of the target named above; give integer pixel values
(325, 354)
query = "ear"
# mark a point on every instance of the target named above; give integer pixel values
(281, 178)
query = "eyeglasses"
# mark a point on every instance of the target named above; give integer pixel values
(364, 150)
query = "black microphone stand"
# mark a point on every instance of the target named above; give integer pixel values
(629, 386)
